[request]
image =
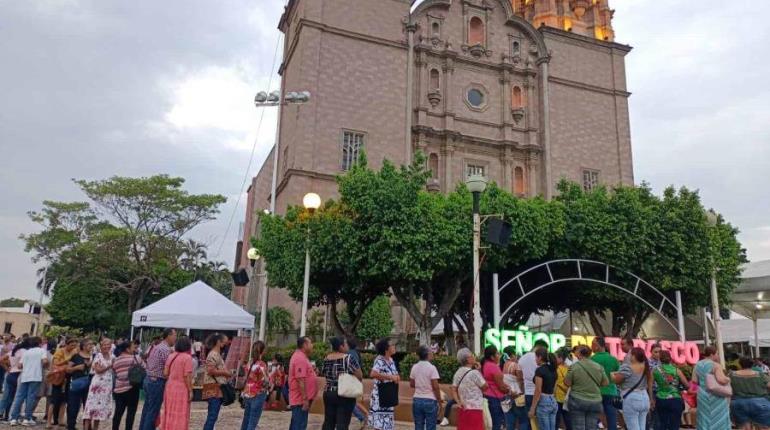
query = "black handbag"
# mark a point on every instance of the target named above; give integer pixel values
(228, 394)
(388, 394)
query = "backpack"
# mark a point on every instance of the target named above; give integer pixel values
(136, 374)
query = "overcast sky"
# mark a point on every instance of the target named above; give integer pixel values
(91, 89)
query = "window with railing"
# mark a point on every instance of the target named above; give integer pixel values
(590, 180)
(352, 142)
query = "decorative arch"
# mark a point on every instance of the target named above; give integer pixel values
(556, 272)
(512, 20)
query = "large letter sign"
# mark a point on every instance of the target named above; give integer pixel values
(523, 340)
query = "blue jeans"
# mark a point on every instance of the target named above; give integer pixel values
(752, 409)
(496, 410)
(75, 399)
(636, 405)
(252, 411)
(519, 415)
(610, 413)
(215, 404)
(358, 414)
(425, 413)
(546, 412)
(26, 393)
(9, 392)
(298, 418)
(153, 399)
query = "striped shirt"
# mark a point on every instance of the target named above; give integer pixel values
(121, 365)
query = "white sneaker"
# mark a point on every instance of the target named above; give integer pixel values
(28, 423)
(13, 422)
(444, 422)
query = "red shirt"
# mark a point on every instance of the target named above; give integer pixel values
(255, 383)
(300, 368)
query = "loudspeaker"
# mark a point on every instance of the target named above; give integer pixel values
(498, 232)
(240, 278)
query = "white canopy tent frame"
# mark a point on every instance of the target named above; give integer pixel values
(196, 306)
(752, 297)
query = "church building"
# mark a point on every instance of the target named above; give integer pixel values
(524, 92)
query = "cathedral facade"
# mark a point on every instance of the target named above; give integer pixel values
(524, 92)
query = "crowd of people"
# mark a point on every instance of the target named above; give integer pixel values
(579, 388)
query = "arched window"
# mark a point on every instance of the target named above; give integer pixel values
(433, 166)
(516, 48)
(517, 99)
(434, 79)
(476, 31)
(519, 187)
(436, 30)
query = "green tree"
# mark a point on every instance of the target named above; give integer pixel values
(377, 321)
(279, 321)
(127, 240)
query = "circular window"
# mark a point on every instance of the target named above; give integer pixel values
(475, 97)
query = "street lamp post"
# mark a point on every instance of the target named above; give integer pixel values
(311, 201)
(263, 99)
(476, 185)
(715, 315)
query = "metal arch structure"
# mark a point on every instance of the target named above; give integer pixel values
(640, 285)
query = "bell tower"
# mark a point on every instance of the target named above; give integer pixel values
(591, 18)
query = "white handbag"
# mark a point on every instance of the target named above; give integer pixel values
(348, 386)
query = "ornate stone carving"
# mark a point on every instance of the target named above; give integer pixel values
(476, 50)
(579, 7)
(434, 97)
(518, 114)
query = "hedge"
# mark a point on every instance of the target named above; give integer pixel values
(446, 365)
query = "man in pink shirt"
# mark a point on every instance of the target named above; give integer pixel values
(302, 384)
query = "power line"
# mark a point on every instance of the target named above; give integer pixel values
(246, 174)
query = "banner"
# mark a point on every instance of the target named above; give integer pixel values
(523, 340)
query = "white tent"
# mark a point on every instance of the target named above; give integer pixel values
(196, 306)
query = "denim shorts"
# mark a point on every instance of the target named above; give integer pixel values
(755, 410)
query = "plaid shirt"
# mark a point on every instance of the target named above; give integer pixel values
(157, 360)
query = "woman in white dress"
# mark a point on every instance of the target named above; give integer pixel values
(99, 403)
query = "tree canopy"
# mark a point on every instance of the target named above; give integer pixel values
(103, 258)
(388, 234)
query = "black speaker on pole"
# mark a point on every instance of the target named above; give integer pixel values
(498, 232)
(240, 278)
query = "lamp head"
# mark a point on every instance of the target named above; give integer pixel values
(290, 97)
(253, 254)
(311, 201)
(274, 97)
(303, 97)
(261, 97)
(476, 183)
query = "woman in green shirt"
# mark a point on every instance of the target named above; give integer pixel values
(668, 401)
(750, 403)
(585, 378)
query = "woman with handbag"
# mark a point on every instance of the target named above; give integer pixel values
(635, 382)
(177, 394)
(668, 399)
(78, 369)
(468, 387)
(256, 388)
(585, 379)
(125, 393)
(384, 396)
(338, 408)
(216, 376)
(750, 404)
(713, 409)
(57, 378)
